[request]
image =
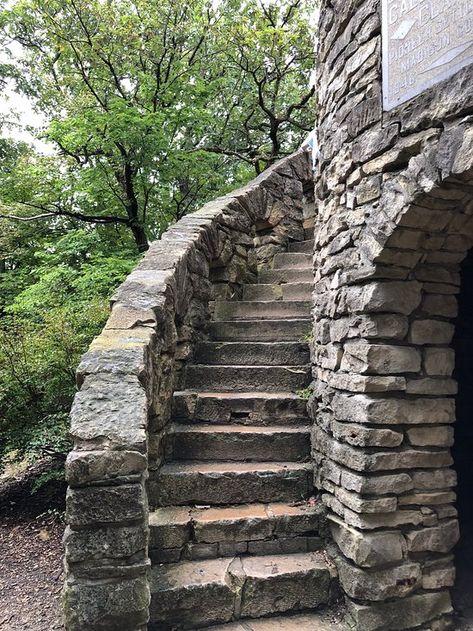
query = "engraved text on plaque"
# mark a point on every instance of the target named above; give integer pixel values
(424, 41)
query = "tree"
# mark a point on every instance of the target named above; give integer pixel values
(267, 92)
(145, 99)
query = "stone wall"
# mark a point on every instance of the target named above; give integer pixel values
(395, 220)
(120, 415)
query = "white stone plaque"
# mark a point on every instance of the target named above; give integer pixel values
(424, 42)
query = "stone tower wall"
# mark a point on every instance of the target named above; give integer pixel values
(395, 219)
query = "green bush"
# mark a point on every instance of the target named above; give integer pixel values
(43, 333)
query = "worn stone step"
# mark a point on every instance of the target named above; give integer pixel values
(327, 620)
(260, 310)
(244, 378)
(193, 594)
(247, 408)
(298, 291)
(307, 246)
(288, 291)
(252, 353)
(242, 443)
(280, 276)
(186, 532)
(217, 483)
(291, 260)
(264, 330)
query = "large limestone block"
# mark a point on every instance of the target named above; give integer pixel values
(111, 412)
(99, 505)
(372, 584)
(361, 408)
(368, 549)
(398, 615)
(440, 538)
(109, 606)
(394, 297)
(431, 332)
(383, 359)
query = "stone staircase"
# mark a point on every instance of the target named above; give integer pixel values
(235, 534)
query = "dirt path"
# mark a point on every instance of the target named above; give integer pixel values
(31, 572)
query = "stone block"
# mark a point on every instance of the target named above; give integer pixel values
(85, 467)
(110, 606)
(396, 297)
(431, 332)
(438, 574)
(378, 584)
(440, 538)
(99, 505)
(111, 412)
(439, 361)
(363, 383)
(368, 549)
(110, 543)
(437, 387)
(362, 436)
(440, 479)
(439, 436)
(380, 359)
(361, 408)
(389, 326)
(398, 615)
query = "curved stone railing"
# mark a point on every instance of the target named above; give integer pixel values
(127, 378)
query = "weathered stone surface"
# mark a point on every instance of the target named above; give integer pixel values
(442, 478)
(98, 505)
(84, 467)
(400, 614)
(368, 549)
(361, 436)
(441, 538)
(440, 436)
(439, 361)
(393, 582)
(395, 297)
(110, 412)
(110, 606)
(431, 332)
(284, 584)
(365, 409)
(110, 543)
(437, 387)
(192, 593)
(380, 359)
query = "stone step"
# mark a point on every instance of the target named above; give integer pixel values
(241, 443)
(288, 291)
(186, 533)
(193, 594)
(247, 408)
(291, 260)
(252, 353)
(280, 276)
(327, 620)
(263, 331)
(307, 247)
(260, 310)
(244, 378)
(217, 483)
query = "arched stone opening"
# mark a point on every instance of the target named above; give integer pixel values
(384, 405)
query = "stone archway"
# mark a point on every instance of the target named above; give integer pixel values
(385, 399)
(395, 222)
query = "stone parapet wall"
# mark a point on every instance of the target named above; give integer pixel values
(395, 203)
(120, 415)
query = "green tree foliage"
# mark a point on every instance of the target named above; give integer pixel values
(151, 108)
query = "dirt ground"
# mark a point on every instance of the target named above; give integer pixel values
(31, 572)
